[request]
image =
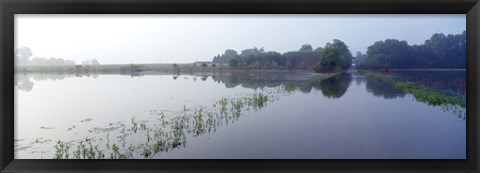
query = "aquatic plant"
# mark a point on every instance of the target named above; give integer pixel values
(169, 133)
(258, 100)
(46, 128)
(223, 105)
(61, 150)
(289, 87)
(134, 125)
(116, 153)
(86, 120)
(237, 106)
(420, 92)
(423, 94)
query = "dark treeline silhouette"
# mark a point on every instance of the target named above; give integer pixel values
(333, 56)
(440, 51)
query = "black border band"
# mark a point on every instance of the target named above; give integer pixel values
(10, 7)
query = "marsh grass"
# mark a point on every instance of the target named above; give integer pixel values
(165, 135)
(420, 92)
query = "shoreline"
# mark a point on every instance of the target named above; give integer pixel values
(177, 68)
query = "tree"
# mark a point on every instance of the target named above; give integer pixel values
(440, 51)
(336, 54)
(233, 63)
(22, 55)
(95, 62)
(306, 48)
(391, 52)
(253, 51)
(359, 59)
(319, 50)
(226, 57)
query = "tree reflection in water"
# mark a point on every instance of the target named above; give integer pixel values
(171, 129)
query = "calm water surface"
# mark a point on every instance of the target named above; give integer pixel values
(231, 116)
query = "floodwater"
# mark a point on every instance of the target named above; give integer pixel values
(232, 116)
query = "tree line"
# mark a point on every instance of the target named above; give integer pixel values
(24, 57)
(333, 56)
(440, 51)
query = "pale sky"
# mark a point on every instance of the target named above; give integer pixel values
(168, 38)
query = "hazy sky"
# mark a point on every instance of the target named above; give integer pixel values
(186, 38)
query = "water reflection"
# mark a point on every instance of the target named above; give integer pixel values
(447, 82)
(172, 129)
(334, 87)
(381, 89)
(163, 135)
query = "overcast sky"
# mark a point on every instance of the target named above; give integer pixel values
(186, 38)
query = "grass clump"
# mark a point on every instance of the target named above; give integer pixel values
(289, 87)
(422, 94)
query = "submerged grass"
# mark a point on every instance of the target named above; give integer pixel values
(167, 134)
(420, 92)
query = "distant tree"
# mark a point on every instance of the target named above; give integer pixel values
(391, 52)
(359, 59)
(253, 51)
(204, 65)
(306, 48)
(22, 55)
(95, 62)
(440, 51)
(319, 50)
(233, 63)
(293, 59)
(226, 57)
(175, 65)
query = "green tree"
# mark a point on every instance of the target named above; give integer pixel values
(306, 48)
(233, 63)
(226, 57)
(391, 52)
(336, 54)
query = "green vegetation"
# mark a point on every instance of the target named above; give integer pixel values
(440, 51)
(304, 59)
(336, 55)
(289, 87)
(258, 100)
(170, 133)
(420, 92)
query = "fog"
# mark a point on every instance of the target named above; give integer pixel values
(123, 39)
